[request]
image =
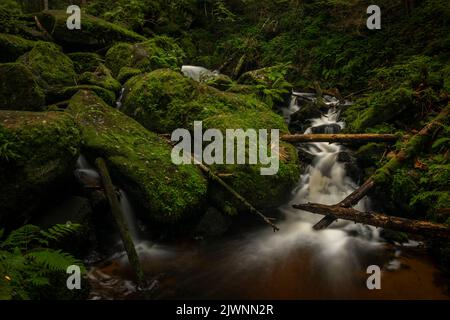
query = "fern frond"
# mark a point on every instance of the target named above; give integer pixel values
(59, 231)
(54, 260)
(21, 238)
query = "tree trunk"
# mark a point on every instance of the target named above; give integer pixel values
(45, 5)
(120, 220)
(409, 150)
(423, 228)
(342, 138)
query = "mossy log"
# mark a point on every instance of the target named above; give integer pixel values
(120, 220)
(409, 149)
(341, 138)
(423, 228)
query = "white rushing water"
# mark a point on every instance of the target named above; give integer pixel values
(197, 73)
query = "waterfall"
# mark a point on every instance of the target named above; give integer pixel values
(89, 176)
(197, 73)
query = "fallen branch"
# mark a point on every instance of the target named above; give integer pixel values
(424, 228)
(409, 150)
(44, 31)
(230, 190)
(120, 220)
(342, 138)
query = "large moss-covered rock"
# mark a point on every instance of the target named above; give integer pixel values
(94, 32)
(12, 47)
(101, 77)
(164, 100)
(139, 160)
(50, 64)
(37, 153)
(158, 52)
(85, 61)
(19, 88)
(65, 93)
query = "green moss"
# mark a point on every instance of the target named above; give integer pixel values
(19, 89)
(85, 61)
(100, 77)
(41, 149)
(48, 62)
(126, 73)
(67, 92)
(221, 82)
(370, 154)
(94, 32)
(158, 52)
(139, 160)
(12, 47)
(164, 100)
(379, 108)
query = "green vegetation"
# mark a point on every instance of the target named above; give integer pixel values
(139, 160)
(30, 265)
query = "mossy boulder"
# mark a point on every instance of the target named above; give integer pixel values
(85, 61)
(378, 108)
(164, 100)
(94, 32)
(220, 81)
(38, 151)
(65, 93)
(12, 47)
(139, 160)
(48, 62)
(19, 88)
(158, 52)
(100, 77)
(126, 73)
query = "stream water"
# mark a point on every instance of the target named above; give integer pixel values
(294, 263)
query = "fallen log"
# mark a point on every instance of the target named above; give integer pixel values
(423, 228)
(342, 138)
(409, 149)
(231, 191)
(120, 221)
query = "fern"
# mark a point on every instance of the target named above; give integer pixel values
(53, 260)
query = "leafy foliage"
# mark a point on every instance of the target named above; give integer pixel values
(28, 264)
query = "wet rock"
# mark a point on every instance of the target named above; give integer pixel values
(39, 151)
(158, 52)
(138, 160)
(300, 119)
(213, 224)
(305, 156)
(94, 33)
(350, 165)
(12, 47)
(19, 89)
(327, 128)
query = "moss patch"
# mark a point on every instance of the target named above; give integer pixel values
(37, 153)
(49, 63)
(139, 160)
(158, 52)
(12, 47)
(100, 77)
(19, 88)
(85, 61)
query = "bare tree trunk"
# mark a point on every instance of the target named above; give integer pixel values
(342, 138)
(120, 221)
(45, 5)
(423, 228)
